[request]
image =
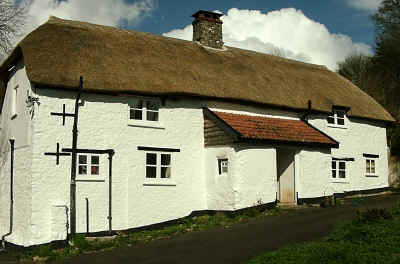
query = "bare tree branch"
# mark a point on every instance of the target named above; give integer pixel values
(13, 16)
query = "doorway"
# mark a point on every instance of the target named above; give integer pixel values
(285, 174)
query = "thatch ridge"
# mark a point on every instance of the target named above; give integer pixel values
(124, 61)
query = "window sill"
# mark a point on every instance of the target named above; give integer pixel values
(337, 126)
(340, 181)
(159, 183)
(372, 175)
(145, 124)
(90, 179)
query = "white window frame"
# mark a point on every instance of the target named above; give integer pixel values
(371, 174)
(334, 116)
(144, 110)
(88, 165)
(337, 170)
(14, 102)
(159, 166)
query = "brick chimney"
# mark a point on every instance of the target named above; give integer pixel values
(207, 29)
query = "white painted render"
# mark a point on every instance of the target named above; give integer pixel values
(19, 128)
(43, 189)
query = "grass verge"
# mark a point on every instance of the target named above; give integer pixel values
(373, 237)
(82, 245)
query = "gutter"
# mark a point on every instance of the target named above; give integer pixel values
(3, 243)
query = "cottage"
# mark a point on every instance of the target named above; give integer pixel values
(162, 127)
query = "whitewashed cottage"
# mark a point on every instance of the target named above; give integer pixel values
(186, 126)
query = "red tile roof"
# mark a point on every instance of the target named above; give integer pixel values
(275, 129)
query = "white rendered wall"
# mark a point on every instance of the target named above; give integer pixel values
(103, 124)
(359, 136)
(256, 175)
(19, 128)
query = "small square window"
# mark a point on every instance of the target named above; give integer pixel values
(144, 110)
(370, 168)
(222, 166)
(338, 169)
(337, 117)
(158, 165)
(83, 165)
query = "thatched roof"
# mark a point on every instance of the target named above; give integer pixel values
(121, 61)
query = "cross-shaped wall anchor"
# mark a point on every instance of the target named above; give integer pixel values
(63, 114)
(57, 154)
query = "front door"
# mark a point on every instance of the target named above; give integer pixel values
(285, 165)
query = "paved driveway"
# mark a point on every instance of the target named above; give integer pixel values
(239, 242)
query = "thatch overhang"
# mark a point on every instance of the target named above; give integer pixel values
(113, 60)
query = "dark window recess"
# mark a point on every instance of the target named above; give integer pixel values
(222, 166)
(151, 165)
(95, 161)
(82, 164)
(165, 165)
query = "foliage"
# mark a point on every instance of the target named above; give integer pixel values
(379, 75)
(373, 238)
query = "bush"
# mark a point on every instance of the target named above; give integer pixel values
(79, 241)
(374, 214)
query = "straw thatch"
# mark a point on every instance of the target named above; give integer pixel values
(115, 60)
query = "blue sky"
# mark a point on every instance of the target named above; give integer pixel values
(312, 31)
(337, 15)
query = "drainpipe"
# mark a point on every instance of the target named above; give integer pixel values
(12, 141)
(110, 156)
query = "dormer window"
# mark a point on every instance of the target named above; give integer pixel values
(337, 117)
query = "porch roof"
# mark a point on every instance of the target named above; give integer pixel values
(274, 130)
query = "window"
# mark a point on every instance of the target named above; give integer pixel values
(14, 102)
(222, 166)
(370, 164)
(158, 165)
(337, 117)
(83, 164)
(144, 110)
(338, 169)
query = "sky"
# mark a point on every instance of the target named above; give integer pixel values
(313, 31)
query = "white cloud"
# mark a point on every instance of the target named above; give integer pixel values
(286, 32)
(104, 12)
(369, 5)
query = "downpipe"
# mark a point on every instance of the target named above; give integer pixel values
(3, 242)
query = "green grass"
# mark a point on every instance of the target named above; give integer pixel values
(374, 237)
(124, 239)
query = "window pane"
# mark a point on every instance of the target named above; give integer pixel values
(331, 120)
(82, 159)
(135, 114)
(340, 121)
(372, 166)
(368, 163)
(340, 114)
(152, 105)
(333, 165)
(152, 116)
(95, 170)
(151, 172)
(225, 169)
(342, 165)
(82, 169)
(151, 159)
(165, 172)
(333, 173)
(342, 174)
(95, 160)
(165, 159)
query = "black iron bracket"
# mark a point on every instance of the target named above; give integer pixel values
(58, 154)
(63, 114)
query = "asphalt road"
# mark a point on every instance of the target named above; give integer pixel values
(238, 243)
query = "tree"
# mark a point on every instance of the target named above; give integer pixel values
(13, 15)
(355, 68)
